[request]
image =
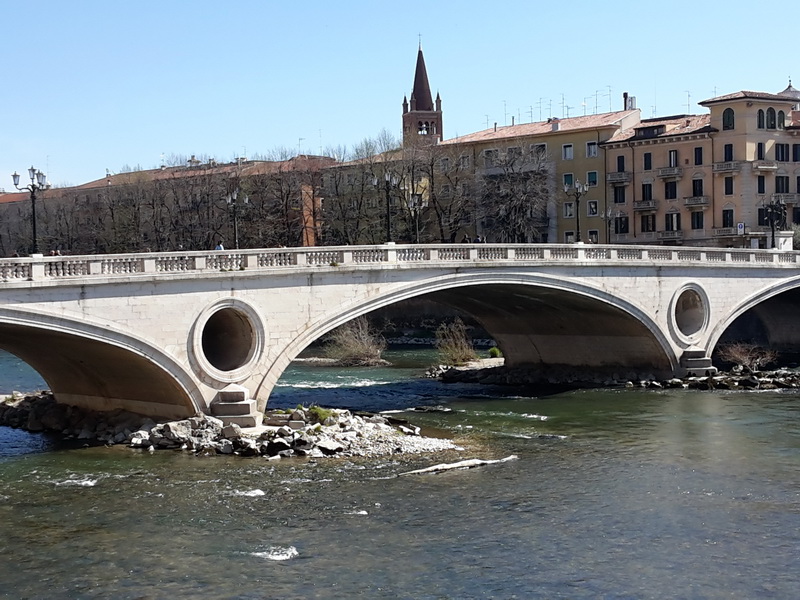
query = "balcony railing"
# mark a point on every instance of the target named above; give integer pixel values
(727, 167)
(786, 198)
(696, 201)
(725, 231)
(765, 165)
(619, 177)
(670, 235)
(670, 172)
(645, 205)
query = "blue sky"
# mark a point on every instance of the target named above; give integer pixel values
(92, 85)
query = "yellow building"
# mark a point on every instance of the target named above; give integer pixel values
(707, 180)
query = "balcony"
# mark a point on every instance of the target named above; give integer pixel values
(645, 205)
(765, 165)
(786, 198)
(670, 235)
(725, 231)
(696, 201)
(670, 172)
(619, 177)
(732, 166)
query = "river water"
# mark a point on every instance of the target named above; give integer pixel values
(615, 494)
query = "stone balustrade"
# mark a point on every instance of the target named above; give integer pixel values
(39, 267)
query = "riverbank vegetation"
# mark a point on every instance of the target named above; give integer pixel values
(453, 343)
(355, 344)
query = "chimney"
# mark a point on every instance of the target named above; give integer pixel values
(624, 100)
(512, 120)
(495, 126)
(555, 124)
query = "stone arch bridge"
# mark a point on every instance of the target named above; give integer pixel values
(173, 334)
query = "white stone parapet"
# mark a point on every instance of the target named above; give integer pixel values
(154, 264)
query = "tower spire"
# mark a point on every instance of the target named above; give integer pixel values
(422, 119)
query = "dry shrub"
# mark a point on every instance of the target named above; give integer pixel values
(748, 356)
(453, 343)
(355, 343)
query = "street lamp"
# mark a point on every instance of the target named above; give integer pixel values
(38, 182)
(577, 190)
(389, 180)
(232, 200)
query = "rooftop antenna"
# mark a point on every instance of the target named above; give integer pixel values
(539, 106)
(550, 108)
(487, 121)
(688, 101)
(609, 98)
(320, 142)
(596, 96)
(530, 112)
(505, 114)
(298, 145)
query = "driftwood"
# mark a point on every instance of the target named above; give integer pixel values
(462, 464)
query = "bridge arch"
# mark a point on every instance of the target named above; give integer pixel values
(96, 367)
(538, 320)
(776, 308)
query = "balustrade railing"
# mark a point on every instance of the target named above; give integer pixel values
(38, 267)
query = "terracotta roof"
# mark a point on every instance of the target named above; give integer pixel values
(244, 169)
(601, 120)
(672, 126)
(743, 95)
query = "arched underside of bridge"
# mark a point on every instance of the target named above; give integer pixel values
(97, 375)
(554, 329)
(773, 323)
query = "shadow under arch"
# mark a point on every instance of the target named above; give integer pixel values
(537, 320)
(773, 312)
(91, 366)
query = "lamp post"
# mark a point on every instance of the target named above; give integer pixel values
(38, 182)
(577, 190)
(232, 200)
(389, 180)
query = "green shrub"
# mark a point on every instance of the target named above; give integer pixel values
(494, 352)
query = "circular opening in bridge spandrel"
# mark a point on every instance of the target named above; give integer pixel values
(690, 313)
(228, 339)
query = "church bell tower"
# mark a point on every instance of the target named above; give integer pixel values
(422, 119)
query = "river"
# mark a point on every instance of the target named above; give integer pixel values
(615, 494)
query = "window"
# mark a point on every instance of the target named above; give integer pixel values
(489, 158)
(796, 152)
(594, 236)
(798, 184)
(591, 208)
(763, 219)
(569, 237)
(698, 155)
(761, 185)
(770, 118)
(465, 189)
(463, 162)
(781, 184)
(648, 223)
(648, 161)
(697, 187)
(672, 221)
(796, 214)
(727, 119)
(351, 179)
(620, 164)
(760, 119)
(513, 154)
(727, 217)
(781, 119)
(727, 152)
(697, 219)
(591, 149)
(539, 151)
(670, 190)
(673, 158)
(729, 186)
(444, 164)
(620, 225)
(760, 151)
(619, 194)
(568, 179)
(782, 152)
(569, 210)
(446, 190)
(647, 191)
(566, 152)
(591, 178)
